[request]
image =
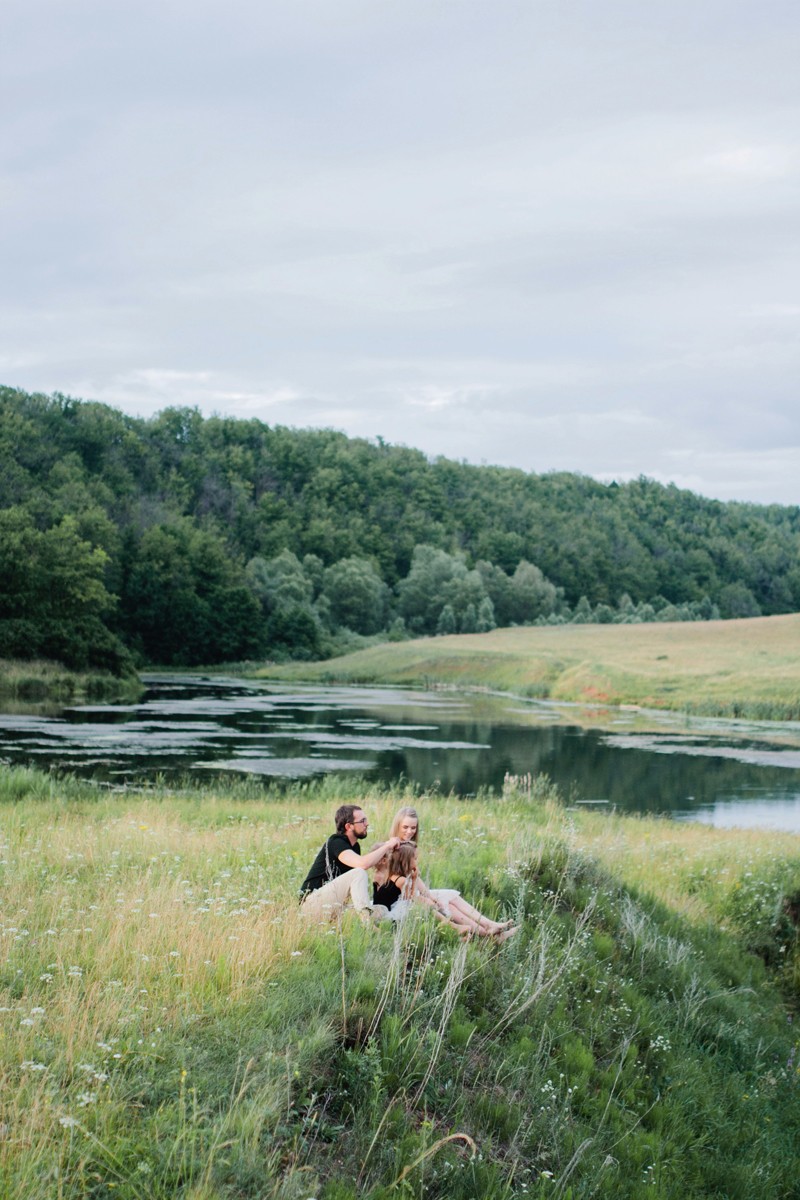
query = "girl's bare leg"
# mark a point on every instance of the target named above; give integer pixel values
(464, 924)
(459, 907)
(467, 928)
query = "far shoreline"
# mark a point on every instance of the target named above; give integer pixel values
(744, 669)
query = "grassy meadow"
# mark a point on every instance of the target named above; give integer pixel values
(744, 668)
(170, 1028)
(38, 680)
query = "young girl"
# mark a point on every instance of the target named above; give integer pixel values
(400, 885)
(397, 884)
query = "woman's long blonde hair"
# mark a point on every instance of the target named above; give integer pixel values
(408, 811)
(383, 869)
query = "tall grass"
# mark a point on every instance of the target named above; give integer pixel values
(38, 681)
(171, 1028)
(745, 668)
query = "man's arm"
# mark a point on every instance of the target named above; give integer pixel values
(349, 858)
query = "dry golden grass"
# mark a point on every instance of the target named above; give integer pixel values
(735, 668)
(163, 1006)
(689, 866)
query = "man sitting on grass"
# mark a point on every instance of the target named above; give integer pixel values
(339, 872)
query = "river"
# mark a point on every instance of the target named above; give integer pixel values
(726, 773)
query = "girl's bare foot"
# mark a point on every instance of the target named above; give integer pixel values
(505, 934)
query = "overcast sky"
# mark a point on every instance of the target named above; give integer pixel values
(541, 233)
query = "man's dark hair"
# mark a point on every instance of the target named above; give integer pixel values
(344, 815)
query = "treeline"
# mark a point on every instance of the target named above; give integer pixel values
(183, 540)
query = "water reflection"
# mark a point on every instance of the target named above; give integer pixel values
(724, 774)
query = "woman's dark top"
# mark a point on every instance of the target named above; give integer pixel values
(385, 893)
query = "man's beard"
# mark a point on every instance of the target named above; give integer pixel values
(362, 834)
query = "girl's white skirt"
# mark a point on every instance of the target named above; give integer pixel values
(443, 896)
(400, 909)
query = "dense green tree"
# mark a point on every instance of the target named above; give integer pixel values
(357, 595)
(186, 602)
(498, 588)
(469, 618)
(531, 595)
(583, 612)
(50, 574)
(534, 545)
(486, 620)
(314, 569)
(285, 591)
(466, 593)
(293, 632)
(736, 600)
(446, 621)
(281, 582)
(422, 592)
(53, 598)
(438, 580)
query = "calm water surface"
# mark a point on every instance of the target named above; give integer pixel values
(725, 773)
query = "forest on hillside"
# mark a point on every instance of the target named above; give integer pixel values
(184, 540)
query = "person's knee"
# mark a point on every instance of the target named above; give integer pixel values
(358, 881)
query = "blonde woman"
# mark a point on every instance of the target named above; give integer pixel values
(449, 903)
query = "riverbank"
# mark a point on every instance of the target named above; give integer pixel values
(745, 668)
(40, 681)
(172, 1029)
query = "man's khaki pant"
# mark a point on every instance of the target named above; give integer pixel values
(328, 901)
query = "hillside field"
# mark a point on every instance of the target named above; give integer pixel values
(741, 668)
(171, 1030)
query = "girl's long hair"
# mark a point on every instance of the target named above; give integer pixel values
(403, 861)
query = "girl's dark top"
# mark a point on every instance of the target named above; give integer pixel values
(385, 893)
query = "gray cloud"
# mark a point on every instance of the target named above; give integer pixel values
(548, 235)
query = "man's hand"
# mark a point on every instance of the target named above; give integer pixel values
(367, 861)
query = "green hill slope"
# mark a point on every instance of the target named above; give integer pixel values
(172, 1030)
(731, 668)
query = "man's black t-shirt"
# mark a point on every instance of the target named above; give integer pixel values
(326, 865)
